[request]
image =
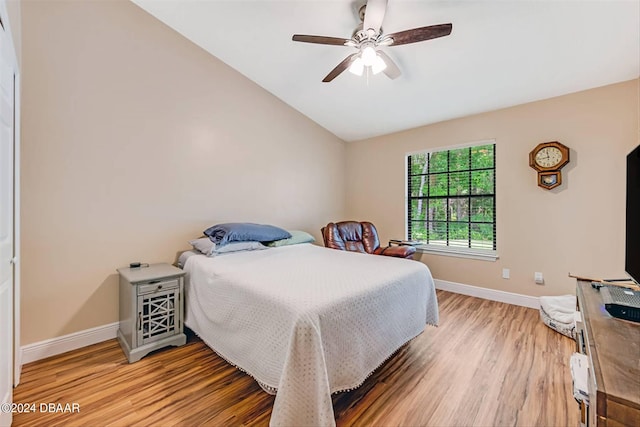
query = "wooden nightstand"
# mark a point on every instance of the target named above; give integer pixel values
(150, 309)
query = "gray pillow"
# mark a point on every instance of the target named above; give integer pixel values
(204, 245)
(221, 234)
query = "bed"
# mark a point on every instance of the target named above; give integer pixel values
(306, 321)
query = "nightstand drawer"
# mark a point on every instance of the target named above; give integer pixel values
(157, 286)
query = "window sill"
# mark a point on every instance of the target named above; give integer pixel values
(459, 252)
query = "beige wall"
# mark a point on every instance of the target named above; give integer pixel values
(577, 228)
(134, 140)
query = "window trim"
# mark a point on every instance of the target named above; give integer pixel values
(472, 253)
(481, 254)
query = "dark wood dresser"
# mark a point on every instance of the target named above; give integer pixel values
(613, 348)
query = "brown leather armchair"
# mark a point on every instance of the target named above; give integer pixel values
(361, 237)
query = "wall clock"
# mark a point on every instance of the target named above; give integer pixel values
(547, 159)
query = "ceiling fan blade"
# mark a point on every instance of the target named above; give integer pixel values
(374, 15)
(320, 39)
(392, 71)
(346, 63)
(420, 34)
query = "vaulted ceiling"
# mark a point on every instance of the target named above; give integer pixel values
(499, 54)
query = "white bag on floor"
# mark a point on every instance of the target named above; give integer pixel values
(558, 313)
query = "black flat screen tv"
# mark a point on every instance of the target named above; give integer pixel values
(632, 238)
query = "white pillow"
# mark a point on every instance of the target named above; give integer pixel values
(207, 247)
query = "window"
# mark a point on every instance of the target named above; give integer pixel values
(451, 200)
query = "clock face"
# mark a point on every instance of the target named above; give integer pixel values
(548, 157)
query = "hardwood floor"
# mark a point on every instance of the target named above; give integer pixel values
(487, 364)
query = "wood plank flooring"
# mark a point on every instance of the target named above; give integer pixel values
(487, 364)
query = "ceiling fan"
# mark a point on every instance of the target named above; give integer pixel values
(368, 37)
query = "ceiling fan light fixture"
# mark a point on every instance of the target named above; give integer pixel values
(368, 56)
(378, 65)
(357, 67)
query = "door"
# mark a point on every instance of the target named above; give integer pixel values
(6, 223)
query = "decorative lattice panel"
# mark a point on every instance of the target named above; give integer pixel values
(158, 315)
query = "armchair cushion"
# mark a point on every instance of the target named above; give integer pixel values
(333, 238)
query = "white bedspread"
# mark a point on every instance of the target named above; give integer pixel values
(307, 321)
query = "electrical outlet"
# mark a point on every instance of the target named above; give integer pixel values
(505, 273)
(538, 278)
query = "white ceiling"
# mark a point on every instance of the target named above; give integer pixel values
(499, 54)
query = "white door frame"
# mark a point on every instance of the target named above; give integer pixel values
(12, 358)
(17, 97)
(17, 349)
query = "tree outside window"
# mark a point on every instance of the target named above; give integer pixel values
(451, 197)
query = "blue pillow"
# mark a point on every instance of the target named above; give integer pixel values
(221, 234)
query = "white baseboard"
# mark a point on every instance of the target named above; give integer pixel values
(490, 294)
(53, 346)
